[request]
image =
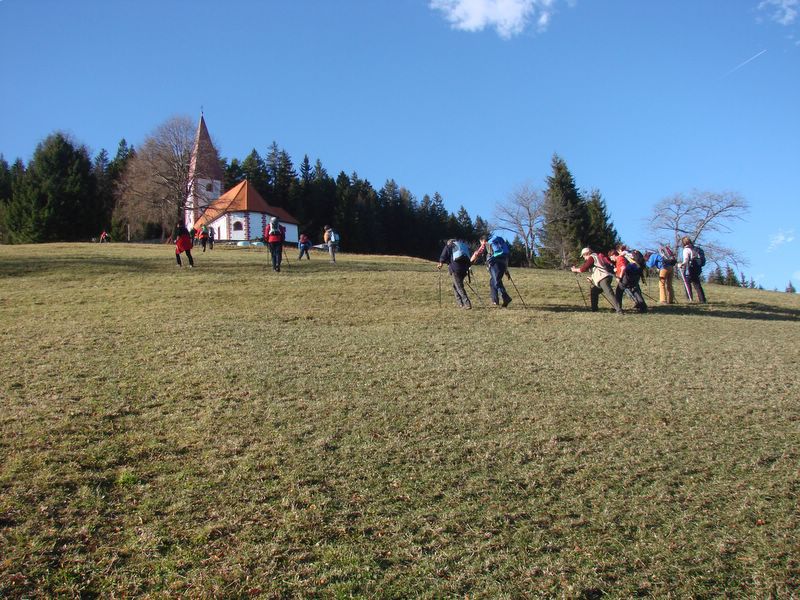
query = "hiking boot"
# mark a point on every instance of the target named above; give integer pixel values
(466, 306)
(506, 302)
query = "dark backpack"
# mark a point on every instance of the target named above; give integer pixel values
(698, 257)
(668, 257)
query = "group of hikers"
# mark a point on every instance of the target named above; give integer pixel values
(274, 236)
(627, 266)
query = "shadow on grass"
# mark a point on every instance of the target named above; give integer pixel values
(750, 310)
(18, 268)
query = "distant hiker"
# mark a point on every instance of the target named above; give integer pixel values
(193, 235)
(183, 243)
(332, 239)
(304, 245)
(104, 237)
(497, 252)
(694, 260)
(628, 274)
(664, 260)
(204, 237)
(210, 238)
(602, 273)
(275, 233)
(456, 254)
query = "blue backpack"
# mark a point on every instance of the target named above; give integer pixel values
(460, 250)
(499, 246)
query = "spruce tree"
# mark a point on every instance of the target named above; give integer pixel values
(56, 199)
(566, 217)
(601, 234)
(790, 289)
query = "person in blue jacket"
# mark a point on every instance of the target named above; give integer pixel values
(497, 252)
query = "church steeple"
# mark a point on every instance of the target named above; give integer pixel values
(205, 174)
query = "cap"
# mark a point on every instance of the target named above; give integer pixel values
(274, 220)
(586, 251)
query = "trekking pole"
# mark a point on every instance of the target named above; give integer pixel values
(468, 281)
(685, 285)
(440, 288)
(578, 281)
(516, 288)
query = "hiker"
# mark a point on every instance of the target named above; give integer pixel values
(183, 243)
(692, 266)
(304, 245)
(628, 274)
(193, 234)
(204, 237)
(497, 252)
(331, 238)
(104, 237)
(602, 273)
(210, 238)
(664, 260)
(456, 254)
(274, 234)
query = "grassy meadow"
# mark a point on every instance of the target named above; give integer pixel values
(332, 431)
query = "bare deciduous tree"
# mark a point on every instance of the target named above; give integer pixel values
(156, 182)
(698, 215)
(523, 215)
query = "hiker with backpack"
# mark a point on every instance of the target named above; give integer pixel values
(204, 237)
(628, 274)
(694, 259)
(274, 234)
(497, 253)
(455, 254)
(602, 272)
(664, 260)
(210, 238)
(304, 245)
(183, 243)
(331, 238)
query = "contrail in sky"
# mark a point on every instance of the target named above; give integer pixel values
(736, 68)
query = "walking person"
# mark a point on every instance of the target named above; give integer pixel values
(204, 237)
(104, 237)
(628, 275)
(692, 267)
(210, 238)
(664, 260)
(497, 252)
(602, 274)
(183, 243)
(332, 239)
(455, 254)
(304, 244)
(275, 233)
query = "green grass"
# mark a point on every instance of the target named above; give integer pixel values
(331, 431)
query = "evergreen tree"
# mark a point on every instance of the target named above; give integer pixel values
(5, 181)
(464, 228)
(101, 169)
(254, 170)
(730, 277)
(233, 174)
(566, 217)
(716, 276)
(56, 198)
(790, 289)
(600, 234)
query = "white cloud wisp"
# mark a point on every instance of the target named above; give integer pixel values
(783, 12)
(779, 239)
(507, 17)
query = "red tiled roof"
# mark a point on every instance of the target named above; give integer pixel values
(243, 197)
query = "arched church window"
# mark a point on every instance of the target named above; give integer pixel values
(237, 226)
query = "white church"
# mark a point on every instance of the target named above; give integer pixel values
(240, 214)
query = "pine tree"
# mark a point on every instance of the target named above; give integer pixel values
(566, 219)
(56, 198)
(790, 289)
(716, 276)
(730, 277)
(254, 170)
(600, 234)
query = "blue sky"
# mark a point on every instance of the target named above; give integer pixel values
(468, 98)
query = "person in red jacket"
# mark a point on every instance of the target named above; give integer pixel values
(183, 243)
(275, 234)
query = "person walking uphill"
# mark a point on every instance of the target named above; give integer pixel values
(694, 260)
(183, 243)
(331, 238)
(455, 254)
(628, 275)
(497, 252)
(275, 233)
(304, 244)
(664, 260)
(602, 274)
